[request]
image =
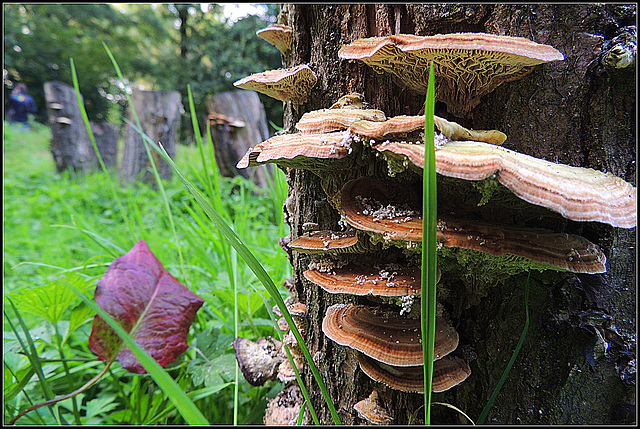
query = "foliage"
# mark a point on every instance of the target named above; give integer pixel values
(80, 216)
(39, 39)
(160, 46)
(213, 53)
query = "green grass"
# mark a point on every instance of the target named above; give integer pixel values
(61, 228)
(429, 244)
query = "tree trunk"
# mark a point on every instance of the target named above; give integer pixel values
(106, 137)
(238, 121)
(159, 114)
(70, 145)
(575, 112)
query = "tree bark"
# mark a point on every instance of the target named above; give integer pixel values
(106, 138)
(232, 140)
(70, 144)
(159, 114)
(574, 112)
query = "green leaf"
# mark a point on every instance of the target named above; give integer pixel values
(50, 301)
(79, 316)
(220, 370)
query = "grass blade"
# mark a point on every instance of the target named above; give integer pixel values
(154, 167)
(429, 219)
(257, 269)
(303, 389)
(240, 248)
(85, 118)
(505, 374)
(32, 355)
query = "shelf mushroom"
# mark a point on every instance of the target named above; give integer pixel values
(259, 360)
(298, 150)
(448, 372)
(334, 119)
(282, 84)
(370, 410)
(577, 193)
(216, 118)
(278, 35)
(365, 204)
(326, 242)
(384, 335)
(403, 125)
(385, 281)
(467, 66)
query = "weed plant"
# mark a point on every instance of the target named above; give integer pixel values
(61, 228)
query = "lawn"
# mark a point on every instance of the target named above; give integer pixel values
(60, 229)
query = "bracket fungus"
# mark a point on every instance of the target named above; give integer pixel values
(577, 193)
(386, 281)
(284, 409)
(353, 100)
(448, 372)
(365, 204)
(327, 120)
(279, 35)
(258, 361)
(383, 335)
(467, 66)
(216, 118)
(292, 84)
(370, 410)
(403, 125)
(325, 241)
(298, 151)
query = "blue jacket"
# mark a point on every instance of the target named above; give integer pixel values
(20, 106)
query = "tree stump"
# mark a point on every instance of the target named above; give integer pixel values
(575, 112)
(238, 121)
(70, 144)
(159, 114)
(106, 138)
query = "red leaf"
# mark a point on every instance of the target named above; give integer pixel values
(142, 296)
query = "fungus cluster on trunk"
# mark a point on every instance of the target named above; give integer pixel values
(376, 253)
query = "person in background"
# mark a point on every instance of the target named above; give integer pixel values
(20, 105)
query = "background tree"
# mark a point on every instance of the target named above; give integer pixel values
(39, 39)
(160, 47)
(575, 112)
(213, 53)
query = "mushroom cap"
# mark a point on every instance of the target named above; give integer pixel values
(403, 125)
(384, 335)
(562, 251)
(278, 35)
(258, 360)
(324, 241)
(466, 65)
(328, 120)
(371, 410)
(286, 373)
(397, 125)
(220, 119)
(388, 281)
(284, 409)
(298, 151)
(353, 100)
(297, 309)
(282, 84)
(448, 372)
(577, 193)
